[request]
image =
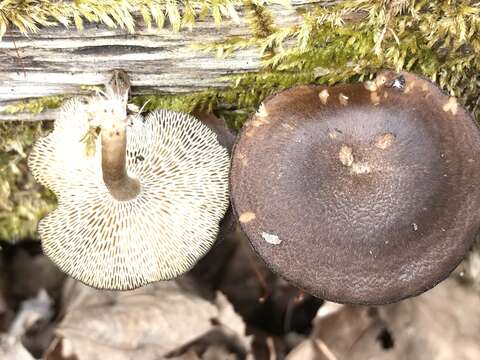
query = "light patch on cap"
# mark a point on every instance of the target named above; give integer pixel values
(346, 155)
(334, 134)
(262, 111)
(343, 99)
(410, 86)
(380, 80)
(375, 98)
(451, 105)
(250, 132)
(288, 126)
(259, 121)
(323, 96)
(347, 159)
(271, 238)
(243, 159)
(361, 168)
(370, 86)
(107, 111)
(384, 141)
(246, 217)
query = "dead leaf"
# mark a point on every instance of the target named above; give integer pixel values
(31, 312)
(226, 337)
(441, 324)
(229, 320)
(147, 323)
(12, 349)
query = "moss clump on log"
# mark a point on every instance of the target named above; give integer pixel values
(355, 39)
(35, 106)
(348, 41)
(30, 15)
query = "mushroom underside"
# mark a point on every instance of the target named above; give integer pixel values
(157, 234)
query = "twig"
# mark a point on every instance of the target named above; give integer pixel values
(19, 59)
(266, 293)
(323, 348)
(271, 348)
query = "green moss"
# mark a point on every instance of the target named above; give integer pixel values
(35, 106)
(345, 42)
(184, 102)
(222, 102)
(348, 41)
(29, 15)
(22, 201)
(355, 39)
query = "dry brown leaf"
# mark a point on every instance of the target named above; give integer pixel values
(147, 323)
(231, 322)
(12, 349)
(441, 324)
(190, 355)
(32, 311)
(142, 324)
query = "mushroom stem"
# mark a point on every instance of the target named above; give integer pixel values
(114, 141)
(114, 156)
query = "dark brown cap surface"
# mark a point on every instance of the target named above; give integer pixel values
(363, 193)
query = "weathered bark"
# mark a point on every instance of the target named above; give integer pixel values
(59, 60)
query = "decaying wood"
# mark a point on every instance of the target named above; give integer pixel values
(59, 61)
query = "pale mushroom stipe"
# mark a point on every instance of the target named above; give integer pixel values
(145, 208)
(361, 193)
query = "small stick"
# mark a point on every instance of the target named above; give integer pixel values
(324, 349)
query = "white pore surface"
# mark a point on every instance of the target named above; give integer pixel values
(160, 234)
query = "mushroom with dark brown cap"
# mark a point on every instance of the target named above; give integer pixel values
(362, 193)
(145, 208)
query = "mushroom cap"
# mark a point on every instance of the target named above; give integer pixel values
(362, 193)
(159, 234)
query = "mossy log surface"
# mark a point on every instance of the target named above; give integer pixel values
(62, 61)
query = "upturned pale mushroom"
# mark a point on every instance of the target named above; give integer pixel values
(144, 208)
(361, 193)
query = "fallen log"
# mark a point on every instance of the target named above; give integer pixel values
(57, 60)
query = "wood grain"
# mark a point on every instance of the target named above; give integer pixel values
(59, 60)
